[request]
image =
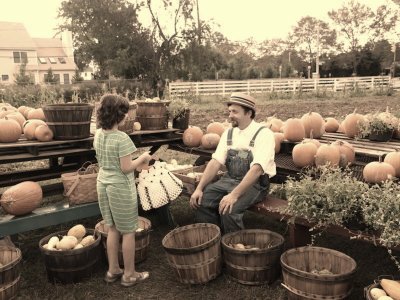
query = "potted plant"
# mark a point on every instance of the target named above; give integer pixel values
(179, 110)
(378, 127)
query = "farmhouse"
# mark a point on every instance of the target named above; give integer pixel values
(39, 54)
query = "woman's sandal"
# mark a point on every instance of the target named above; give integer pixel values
(110, 278)
(133, 280)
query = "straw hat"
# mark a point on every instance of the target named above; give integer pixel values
(243, 100)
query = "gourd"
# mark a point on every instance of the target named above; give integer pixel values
(77, 231)
(210, 140)
(36, 114)
(303, 154)
(351, 124)
(30, 127)
(331, 125)
(10, 130)
(67, 243)
(393, 158)
(216, 127)
(22, 198)
(376, 172)
(327, 154)
(391, 287)
(43, 133)
(313, 121)
(192, 136)
(293, 130)
(376, 293)
(87, 240)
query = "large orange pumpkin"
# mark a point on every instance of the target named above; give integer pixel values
(327, 154)
(10, 130)
(393, 158)
(210, 140)
(216, 127)
(22, 198)
(192, 136)
(376, 172)
(303, 154)
(30, 127)
(351, 124)
(347, 152)
(293, 130)
(331, 125)
(313, 121)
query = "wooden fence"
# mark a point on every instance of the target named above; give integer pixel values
(283, 85)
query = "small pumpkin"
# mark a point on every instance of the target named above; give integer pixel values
(137, 126)
(303, 154)
(351, 124)
(210, 140)
(30, 127)
(10, 130)
(192, 136)
(327, 154)
(36, 114)
(393, 158)
(17, 116)
(22, 198)
(43, 133)
(331, 125)
(278, 141)
(347, 152)
(314, 122)
(376, 172)
(274, 124)
(216, 127)
(293, 130)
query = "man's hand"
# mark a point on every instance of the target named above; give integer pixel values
(195, 199)
(226, 204)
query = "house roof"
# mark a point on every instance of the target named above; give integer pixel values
(49, 47)
(15, 36)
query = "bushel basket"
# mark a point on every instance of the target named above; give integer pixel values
(80, 186)
(152, 115)
(10, 258)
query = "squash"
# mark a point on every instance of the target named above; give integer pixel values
(78, 246)
(351, 124)
(36, 114)
(327, 154)
(303, 154)
(78, 231)
(137, 126)
(393, 158)
(51, 244)
(192, 136)
(210, 140)
(30, 127)
(385, 298)
(347, 152)
(376, 172)
(331, 125)
(67, 243)
(293, 130)
(22, 198)
(391, 287)
(216, 127)
(26, 111)
(278, 141)
(43, 133)
(88, 240)
(17, 116)
(313, 121)
(376, 293)
(10, 130)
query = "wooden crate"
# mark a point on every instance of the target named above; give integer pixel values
(191, 183)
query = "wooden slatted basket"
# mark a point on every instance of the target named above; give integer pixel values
(152, 115)
(10, 258)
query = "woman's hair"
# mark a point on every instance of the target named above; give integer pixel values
(112, 110)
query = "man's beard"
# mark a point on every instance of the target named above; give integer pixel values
(234, 123)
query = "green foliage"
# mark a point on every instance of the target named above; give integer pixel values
(77, 77)
(23, 78)
(178, 106)
(49, 77)
(377, 123)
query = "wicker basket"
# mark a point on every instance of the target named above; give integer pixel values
(69, 120)
(300, 281)
(152, 115)
(10, 271)
(255, 266)
(194, 252)
(71, 266)
(80, 186)
(142, 240)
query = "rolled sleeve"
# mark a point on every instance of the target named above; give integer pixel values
(222, 149)
(126, 146)
(264, 152)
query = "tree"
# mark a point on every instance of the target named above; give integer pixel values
(23, 78)
(49, 77)
(107, 32)
(77, 76)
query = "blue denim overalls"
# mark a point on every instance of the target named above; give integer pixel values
(238, 164)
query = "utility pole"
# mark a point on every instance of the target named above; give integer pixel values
(317, 59)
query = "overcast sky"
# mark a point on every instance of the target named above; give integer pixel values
(238, 20)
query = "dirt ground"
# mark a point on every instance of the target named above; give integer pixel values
(371, 261)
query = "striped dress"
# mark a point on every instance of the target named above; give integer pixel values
(116, 190)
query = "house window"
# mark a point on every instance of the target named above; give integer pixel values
(4, 77)
(42, 60)
(52, 60)
(66, 78)
(57, 78)
(62, 60)
(20, 57)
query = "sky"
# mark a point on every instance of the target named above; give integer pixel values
(238, 20)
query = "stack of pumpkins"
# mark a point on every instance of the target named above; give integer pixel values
(194, 136)
(24, 120)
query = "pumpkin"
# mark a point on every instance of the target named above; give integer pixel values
(391, 287)
(278, 141)
(43, 133)
(216, 127)
(274, 124)
(192, 136)
(78, 231)
(347, 152)
(376, 172)
(26, 111)
(313, 121)
(22, 198)
(293, 130)
(341, 127)
(393, 158)
(5, 112)
(17, 116)
(303, 154)
(36, 114)
(10, 130)
(30, 127)
(331, 125)
(210, 140)
(351, 124)
(312, 140)
(327, 154)
(137, 126)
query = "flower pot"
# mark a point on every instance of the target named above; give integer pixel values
(181, 121)
(381, 136)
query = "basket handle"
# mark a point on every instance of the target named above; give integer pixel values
(72, 188)
(87, 168)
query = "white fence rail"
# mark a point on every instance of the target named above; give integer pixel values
(283, 85)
